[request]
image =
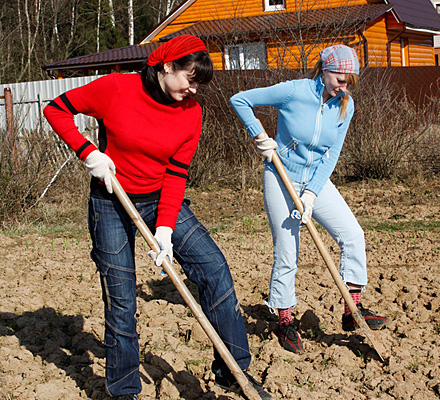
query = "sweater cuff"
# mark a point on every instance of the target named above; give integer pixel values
(315, 188)
(166, 220)
(85, 150)
(255, 129)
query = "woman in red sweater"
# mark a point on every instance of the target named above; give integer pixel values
(149, 128)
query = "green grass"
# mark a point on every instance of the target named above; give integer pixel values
(50, 229)
(196, 363)
(413, 366)
(380, 226)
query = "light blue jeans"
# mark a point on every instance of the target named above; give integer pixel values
(332, 213)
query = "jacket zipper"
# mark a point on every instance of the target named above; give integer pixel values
(291, 145)
(315, 140)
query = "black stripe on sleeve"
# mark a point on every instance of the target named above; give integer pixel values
(68, 104)
(178, 164)
(102, 136)
(178, 174)
(55, 105)
(82, 148)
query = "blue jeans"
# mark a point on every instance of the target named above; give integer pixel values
(332, 213)
(113, 236)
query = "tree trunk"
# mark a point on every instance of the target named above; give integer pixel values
(98, 24)
(20, 27)
(112, 13)
(130, 23)
(55, 36)
(31, 39)
(72, 20)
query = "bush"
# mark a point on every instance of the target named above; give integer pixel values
(389, 137)
(29, 162)
(226, 155)
(386, 130)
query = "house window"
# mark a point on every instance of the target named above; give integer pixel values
(245, 56)
(274, 5)
(437, 7)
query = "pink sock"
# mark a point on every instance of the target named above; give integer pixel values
(284, 316)
(356, 296)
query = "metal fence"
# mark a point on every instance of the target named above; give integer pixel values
(26, 113)
(29, 99)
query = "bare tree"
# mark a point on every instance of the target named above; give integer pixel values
(33, 25)
(298, 37)
(130, 23)
(164, 7)
(72, 20)
(56, 35)
(112, 13)
(98, 25)
(290, 42)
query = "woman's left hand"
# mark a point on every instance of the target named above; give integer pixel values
(163, 237)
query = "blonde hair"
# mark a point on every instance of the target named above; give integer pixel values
(352, 80)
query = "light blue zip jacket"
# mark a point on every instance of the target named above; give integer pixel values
(310, 133)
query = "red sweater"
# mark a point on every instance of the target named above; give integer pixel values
(151, 144)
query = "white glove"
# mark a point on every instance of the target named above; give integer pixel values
(308, 199)
(266, 146)
(163, 237)
(99, 166)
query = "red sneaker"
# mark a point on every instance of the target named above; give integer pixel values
(289, 338)
(373, 321)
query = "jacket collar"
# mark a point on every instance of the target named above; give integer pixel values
(318, 87)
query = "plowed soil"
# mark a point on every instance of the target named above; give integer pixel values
(51, 313)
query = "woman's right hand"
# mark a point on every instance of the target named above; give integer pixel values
(266, 146)
(308, 200)
(99, 165)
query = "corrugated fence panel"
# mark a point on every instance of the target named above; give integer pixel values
(30, 98)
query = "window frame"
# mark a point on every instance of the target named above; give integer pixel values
(276, 7)
(243, 62)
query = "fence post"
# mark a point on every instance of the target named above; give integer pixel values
(10, 125)
(9, 112)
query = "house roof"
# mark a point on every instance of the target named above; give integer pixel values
(418, 14)
(261, 24)
(134, 55)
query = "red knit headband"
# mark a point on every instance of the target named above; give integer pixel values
(175, 48)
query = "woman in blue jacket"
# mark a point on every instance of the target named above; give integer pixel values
(313, 118)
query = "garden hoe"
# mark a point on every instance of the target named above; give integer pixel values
(381, 349)
(131, 210)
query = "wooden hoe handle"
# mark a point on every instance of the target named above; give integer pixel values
(235, 369)
(381, 349)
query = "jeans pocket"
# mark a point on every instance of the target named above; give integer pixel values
(109, 232)
(111, 345)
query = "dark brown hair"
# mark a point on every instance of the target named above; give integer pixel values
(199, 63)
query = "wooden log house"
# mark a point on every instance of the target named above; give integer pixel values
(261, 34)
